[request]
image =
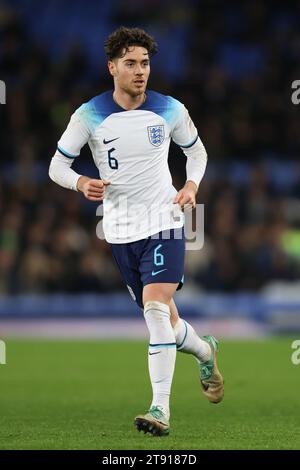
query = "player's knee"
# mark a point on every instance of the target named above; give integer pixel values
(156, 308)
(154, 296)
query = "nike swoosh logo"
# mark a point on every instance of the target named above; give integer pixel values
(109, 141)
(151, 354)
(157, 272)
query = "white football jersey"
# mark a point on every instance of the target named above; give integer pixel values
(130, 149)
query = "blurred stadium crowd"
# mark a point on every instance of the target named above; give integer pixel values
(232, 67)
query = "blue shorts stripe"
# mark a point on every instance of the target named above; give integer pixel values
(162, 345)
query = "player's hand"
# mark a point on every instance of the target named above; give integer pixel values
(93, 190)
(186, 197)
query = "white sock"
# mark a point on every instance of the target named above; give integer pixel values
(162, 353)
(189, 342)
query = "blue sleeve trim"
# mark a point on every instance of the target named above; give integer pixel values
(66, 154)
(189, 145)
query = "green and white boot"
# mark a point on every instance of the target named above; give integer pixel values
(154, 421)
(210, 377)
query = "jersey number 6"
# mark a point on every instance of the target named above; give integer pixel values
(159, 259)
(113, 162)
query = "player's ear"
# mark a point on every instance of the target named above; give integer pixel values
(111, 67)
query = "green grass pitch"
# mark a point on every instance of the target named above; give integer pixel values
(85, 394)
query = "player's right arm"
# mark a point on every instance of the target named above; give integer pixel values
(73, 139)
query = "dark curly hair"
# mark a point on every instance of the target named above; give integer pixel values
(123, 38)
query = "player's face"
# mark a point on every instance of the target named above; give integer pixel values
(131, 72)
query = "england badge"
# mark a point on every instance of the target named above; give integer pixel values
(156, 135)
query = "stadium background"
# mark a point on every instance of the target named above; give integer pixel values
(232, 64)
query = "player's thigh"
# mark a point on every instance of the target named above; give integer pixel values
(129, 271)
(161, 292)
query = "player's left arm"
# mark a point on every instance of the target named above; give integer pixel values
(186, 136)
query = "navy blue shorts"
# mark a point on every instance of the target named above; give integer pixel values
(149, 261)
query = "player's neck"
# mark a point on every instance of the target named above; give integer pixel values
(128, 102)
